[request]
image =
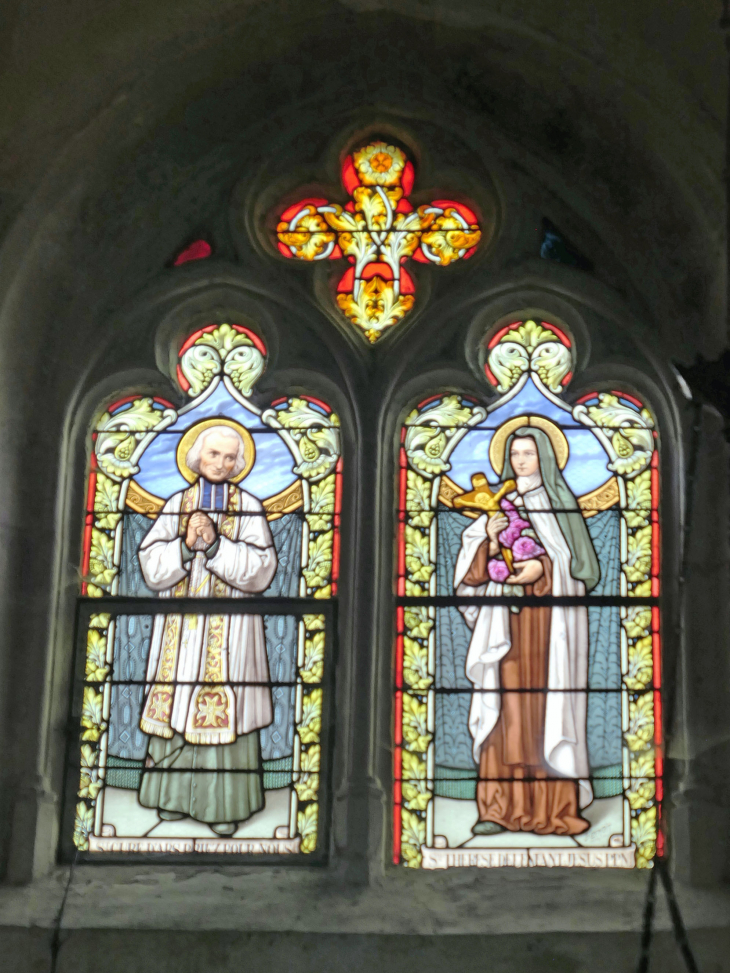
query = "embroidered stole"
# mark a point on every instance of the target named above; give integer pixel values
(211, 710)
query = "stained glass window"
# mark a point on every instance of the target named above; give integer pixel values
(377, 231)
(197, 250)
(528, 653)
(201, 726)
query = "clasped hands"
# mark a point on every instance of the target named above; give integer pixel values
(525, 572)
(201, 532)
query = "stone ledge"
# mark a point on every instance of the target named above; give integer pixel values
(81, 951)
(314, 900)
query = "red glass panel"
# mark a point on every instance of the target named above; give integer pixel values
(349, 175)
(253, 337)
(407, 178)
(406, 282)
(198, 250)
(468, 214)
(291, 211)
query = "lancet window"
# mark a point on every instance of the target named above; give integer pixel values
(202, 725)
(528, 656)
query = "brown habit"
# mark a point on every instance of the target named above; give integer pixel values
(513, 790)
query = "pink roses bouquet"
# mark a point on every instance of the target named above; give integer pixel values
(518, 539)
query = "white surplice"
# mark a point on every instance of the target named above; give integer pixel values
(565, 744)
(208, 652)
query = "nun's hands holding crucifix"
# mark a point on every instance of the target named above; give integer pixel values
(495, 525)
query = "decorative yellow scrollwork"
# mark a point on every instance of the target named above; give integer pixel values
(377, 232)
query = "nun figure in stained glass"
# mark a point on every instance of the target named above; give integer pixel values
(208, 696)
(528, 729)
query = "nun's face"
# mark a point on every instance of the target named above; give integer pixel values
(523, 456)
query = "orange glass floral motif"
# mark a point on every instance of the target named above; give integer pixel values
(377, 231)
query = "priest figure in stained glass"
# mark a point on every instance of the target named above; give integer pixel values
(208, 676)
(529, 665)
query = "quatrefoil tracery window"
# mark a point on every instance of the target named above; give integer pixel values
(378, 231)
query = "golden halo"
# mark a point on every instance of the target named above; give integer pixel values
(187, 440)
(499, 440)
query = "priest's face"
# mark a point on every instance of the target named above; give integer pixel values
(218, 457)
(523, 456)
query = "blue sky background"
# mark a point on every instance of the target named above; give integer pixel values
(587, 464)
(272, 469)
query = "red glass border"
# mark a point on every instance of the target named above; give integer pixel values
(191, 339)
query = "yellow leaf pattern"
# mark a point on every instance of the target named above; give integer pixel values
(641, 722)
(310, 725)
(638, 562)
(637, 622)
(418, 500)
(313, 623)
(91, 714)
(642, 764)
(642, 590)
(415, 664)
(640, 793)
(319, 567)
(415, 723)
(89, 785)
(106, 502)
(313, 666)
(643, 834)
(638, 494)
(640, 664)
(323, 495)
(415, 787)
(96, 665)
(308, 783)
(418, 623)
(413, 835)
(318, 522)
(418, 554)
(83, 826)
(307, 826)
(101, 562)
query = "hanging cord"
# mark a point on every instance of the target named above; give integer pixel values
(661, 869)
(680, 932)
(56, 939)
(647, 931)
